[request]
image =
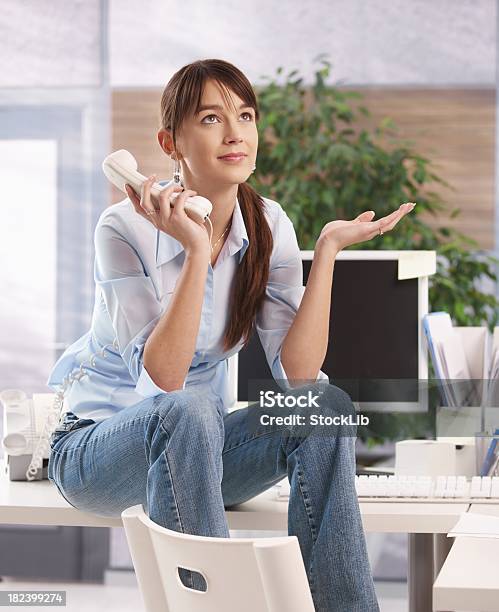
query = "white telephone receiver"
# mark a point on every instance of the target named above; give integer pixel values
(120, 168)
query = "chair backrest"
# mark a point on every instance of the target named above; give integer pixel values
(244, 574)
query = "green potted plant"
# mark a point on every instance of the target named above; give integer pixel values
(314, 160)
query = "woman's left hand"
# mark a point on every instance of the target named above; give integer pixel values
(336, 235)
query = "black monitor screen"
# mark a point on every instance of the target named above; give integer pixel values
(373, 334)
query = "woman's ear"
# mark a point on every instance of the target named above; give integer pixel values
(165, 141)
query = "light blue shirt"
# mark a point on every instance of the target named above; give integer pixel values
(136, 268)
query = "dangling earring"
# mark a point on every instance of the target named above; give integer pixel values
(176, 173)
(254, 168)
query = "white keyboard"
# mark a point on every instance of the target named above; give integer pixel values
(483, 489)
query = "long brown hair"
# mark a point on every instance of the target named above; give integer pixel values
(181, 98)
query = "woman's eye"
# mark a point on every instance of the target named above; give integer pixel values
(209, 117)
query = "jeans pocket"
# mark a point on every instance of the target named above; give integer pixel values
(55, 437)
(70, 423)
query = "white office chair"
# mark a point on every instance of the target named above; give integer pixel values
(244, 574)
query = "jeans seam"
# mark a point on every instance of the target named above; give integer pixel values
(308, 512)
(147, 447)
(189, 581)
(173, 490)
(56, 480)
(308, 506)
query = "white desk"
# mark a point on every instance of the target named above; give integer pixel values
(39, 503)
(469, 578)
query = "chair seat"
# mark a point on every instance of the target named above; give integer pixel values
(244, 574)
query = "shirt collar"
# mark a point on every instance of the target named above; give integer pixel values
(168, 247)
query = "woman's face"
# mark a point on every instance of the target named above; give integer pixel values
(214, 132)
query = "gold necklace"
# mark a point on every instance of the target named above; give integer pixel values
(214, 245)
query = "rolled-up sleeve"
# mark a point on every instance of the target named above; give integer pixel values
(283, 297)
(130, 300)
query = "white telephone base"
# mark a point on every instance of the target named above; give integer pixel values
(23, 423)
(15, 468)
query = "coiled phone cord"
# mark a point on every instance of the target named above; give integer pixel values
(55, 412)
(211, 228)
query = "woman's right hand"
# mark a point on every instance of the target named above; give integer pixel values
(172, 220)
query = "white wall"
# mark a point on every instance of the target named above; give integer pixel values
(56, 43)
(51, 43)
(370, 42)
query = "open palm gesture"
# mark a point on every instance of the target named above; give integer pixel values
(339, 234)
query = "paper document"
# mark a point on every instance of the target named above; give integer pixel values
(416, 263)
(449, 360)
(476, 525)
(493, 386)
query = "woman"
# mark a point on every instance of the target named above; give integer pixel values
(146, 387)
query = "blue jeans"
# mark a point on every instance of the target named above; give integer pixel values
(186, 461)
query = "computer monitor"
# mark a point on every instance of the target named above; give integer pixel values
(376, 351)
